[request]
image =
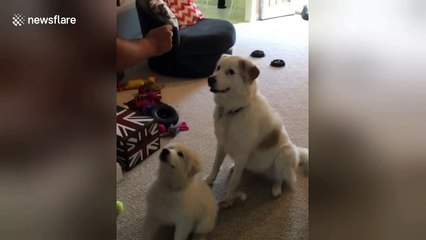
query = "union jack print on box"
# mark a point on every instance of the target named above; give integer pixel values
(137, 137)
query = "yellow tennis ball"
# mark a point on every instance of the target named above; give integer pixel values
(119, 206)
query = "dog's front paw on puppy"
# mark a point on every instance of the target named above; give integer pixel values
(276, 190)
(228, 202)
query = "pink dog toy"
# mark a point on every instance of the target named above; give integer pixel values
(173, 129)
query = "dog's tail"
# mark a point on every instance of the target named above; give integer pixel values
(303, 160)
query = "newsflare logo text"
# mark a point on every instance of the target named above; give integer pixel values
(19, 19)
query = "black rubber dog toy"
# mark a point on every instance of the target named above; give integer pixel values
(277, 63)
(164, 114)
(257, 54)
(305, 13)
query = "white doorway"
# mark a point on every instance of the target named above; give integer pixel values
(276, 8)
(234, 11)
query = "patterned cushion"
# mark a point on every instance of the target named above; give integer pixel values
(163, 12)
(186, 12)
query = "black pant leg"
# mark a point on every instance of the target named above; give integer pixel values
(221, 4)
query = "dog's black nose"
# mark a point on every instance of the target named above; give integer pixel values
(211, 81)
(164, 153)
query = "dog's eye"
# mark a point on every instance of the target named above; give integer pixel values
(180, 154)
(231, 72)
(218, 68)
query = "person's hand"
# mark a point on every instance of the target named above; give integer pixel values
(157, 42)
(160, 39)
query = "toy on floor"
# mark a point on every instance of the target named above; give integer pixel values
(257, 54)
(148, 102)
(148, 95)
(277, 63)
(119, 206)
(137, 83)
(164, 114)
(172, 130)
(305, 13)
(146, 99)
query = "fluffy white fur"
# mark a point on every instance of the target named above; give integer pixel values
(179, 197)
(248, 129)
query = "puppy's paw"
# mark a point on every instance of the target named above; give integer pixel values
(229, 201)
(276, 190)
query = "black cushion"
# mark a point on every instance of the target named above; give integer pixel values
(207, 36)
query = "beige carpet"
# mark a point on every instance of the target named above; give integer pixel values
(261, 216)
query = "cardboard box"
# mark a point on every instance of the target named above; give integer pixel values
(137, 137)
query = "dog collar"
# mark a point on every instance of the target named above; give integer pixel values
(231, 112)
(235, 111)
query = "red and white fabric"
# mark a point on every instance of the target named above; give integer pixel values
(186, 11)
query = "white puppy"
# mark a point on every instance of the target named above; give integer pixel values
(179, 197)
(248, 129)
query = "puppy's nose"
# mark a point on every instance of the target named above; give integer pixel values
(212, 81)
(164, 153)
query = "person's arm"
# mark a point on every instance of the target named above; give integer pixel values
(157, 42)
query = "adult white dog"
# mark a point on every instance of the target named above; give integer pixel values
(248, 129)
(179, 197)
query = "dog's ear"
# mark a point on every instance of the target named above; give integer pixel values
(194, 167)
(248, 71)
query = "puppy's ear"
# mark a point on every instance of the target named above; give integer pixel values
(224, 56)
(248, 71)
(194, 167)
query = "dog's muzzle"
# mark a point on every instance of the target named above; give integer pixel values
(164, 154)
(211, 81)
(164, 157)
(212, 84)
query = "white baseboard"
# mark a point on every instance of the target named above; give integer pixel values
(277, 10)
